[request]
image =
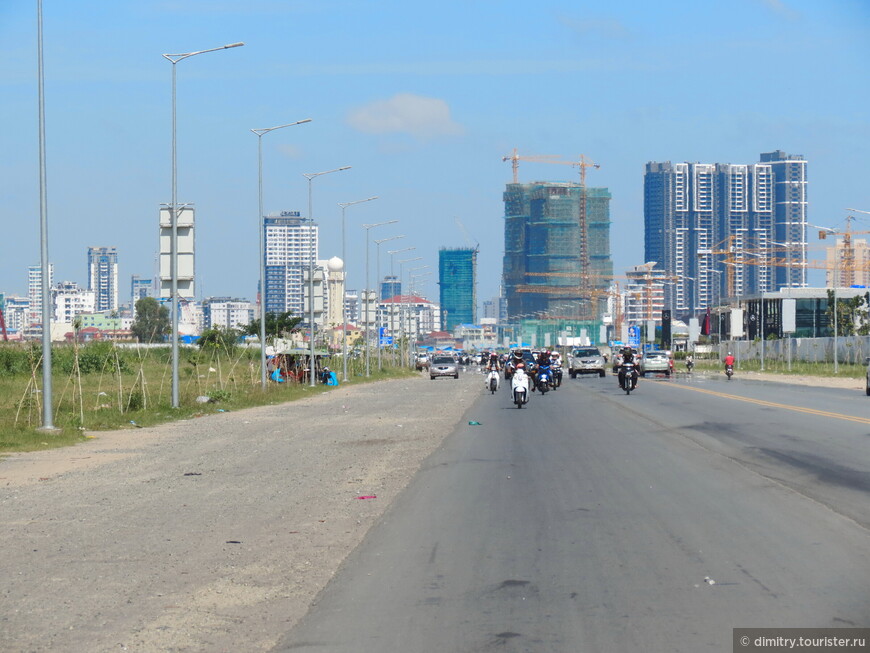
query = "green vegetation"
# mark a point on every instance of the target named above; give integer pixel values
(777, 366)
(101, 386)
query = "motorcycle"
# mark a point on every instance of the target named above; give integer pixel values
(492, 380)
(729, 371)
(627, 377)
(557, 376)
(520, 388)
(543, 378)
(690, 365)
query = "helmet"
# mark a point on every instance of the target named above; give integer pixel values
(627, 350)
(729, 353)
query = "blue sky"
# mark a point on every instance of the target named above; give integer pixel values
(422, 100)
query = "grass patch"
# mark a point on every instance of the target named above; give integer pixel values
(101, 387)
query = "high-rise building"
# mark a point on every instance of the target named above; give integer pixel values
(390, 287)
(34, 291)
(69, 300)
(457, 278)
(226, 313)
(848, 266)
(720, 229)
(103, 277)
(291, 245)
(543, 243)
(140, 288)
(790, 217)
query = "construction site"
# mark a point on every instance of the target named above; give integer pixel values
(557, 264)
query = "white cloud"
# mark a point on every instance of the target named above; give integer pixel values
(405, 113)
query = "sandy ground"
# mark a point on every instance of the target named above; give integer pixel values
(213, 534)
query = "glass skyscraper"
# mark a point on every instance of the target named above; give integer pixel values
(103, 277)
(720, 230)
(457, 278)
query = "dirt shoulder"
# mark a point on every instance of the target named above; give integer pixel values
(213, 534)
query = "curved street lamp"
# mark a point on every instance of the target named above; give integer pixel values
(310, 176)
(344, 206)
(262, 238)
(369, 227)
(173, 214)
(378, 280)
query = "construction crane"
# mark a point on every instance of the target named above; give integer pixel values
(582, 221)
(466, 234)
(515, 159)
(847, 272)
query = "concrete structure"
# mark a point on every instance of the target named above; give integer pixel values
(848, 266)
(103, 277)
(723, 229)
(405, 316)
(69, 301)
(644, 294)
(335, 291)
(290, 245)
(16, 312)
(226, 313)
(34, 291)
(140, 288)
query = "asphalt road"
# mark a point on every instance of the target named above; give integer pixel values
(592, 521)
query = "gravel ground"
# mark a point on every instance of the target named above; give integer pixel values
(212, 534)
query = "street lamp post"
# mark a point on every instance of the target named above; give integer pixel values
(369, 227)
(47, 423)
(173, 215)
(402, 324)
(310, 176)
(377, 281)
(344, 206)
(392, 254)
(262, 238)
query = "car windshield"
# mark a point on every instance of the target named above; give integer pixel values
(443, 360)
(591, 351)
(656, 354)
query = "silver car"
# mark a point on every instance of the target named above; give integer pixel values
(585, 360)
(443, 366)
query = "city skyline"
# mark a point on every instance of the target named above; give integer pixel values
(424, 120)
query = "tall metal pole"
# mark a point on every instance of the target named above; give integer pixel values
(392, 253)
(262, 239)
(173, 216)
(310, 176)
(369, 227)
(377, 281)
(47, 423)
(344, 206)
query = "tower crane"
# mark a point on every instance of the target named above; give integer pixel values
(847, 273)
(582, 222)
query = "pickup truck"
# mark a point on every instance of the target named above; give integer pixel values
(585, 360)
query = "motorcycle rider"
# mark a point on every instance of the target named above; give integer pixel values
(729, 362)
(690, 363)
(627, 357)
(493, 363)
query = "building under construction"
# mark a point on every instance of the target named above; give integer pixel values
(556, 264)
(457, 280)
